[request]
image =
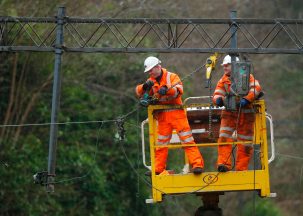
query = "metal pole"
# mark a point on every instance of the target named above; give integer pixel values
(55, 101)
(231, 99)
(234, 42)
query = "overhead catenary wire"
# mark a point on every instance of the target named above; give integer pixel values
(118, 121)
(73, 122)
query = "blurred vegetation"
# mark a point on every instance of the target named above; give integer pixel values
(261, 207)
(96, 174)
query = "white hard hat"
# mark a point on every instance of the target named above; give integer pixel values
(227, 60)
(150, 62)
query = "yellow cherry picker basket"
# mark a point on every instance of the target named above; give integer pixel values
(199, 116)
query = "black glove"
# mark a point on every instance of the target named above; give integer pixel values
(219, 102)
(244, 102)
(147, 85)
(163, 90)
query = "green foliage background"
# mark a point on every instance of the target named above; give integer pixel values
(97, 174)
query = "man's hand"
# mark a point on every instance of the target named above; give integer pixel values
(244, 102)
(163, 90)
(147, 85)
(219, 102)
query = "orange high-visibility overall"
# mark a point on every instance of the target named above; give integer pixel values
(171, 119)
(232, 121)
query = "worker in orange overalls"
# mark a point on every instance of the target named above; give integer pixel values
(241, 120)
(168, 88)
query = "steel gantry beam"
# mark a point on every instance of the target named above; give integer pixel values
(267, 36)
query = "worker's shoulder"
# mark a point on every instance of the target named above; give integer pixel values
(169, 72)
(172, 73)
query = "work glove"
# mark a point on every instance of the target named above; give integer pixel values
(163, 90)
(219, 102)
(147, 85)
(244, 102)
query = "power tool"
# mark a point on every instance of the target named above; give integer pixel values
(210, 66)
(146, 99)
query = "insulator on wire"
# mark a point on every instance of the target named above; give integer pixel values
(120, 128)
